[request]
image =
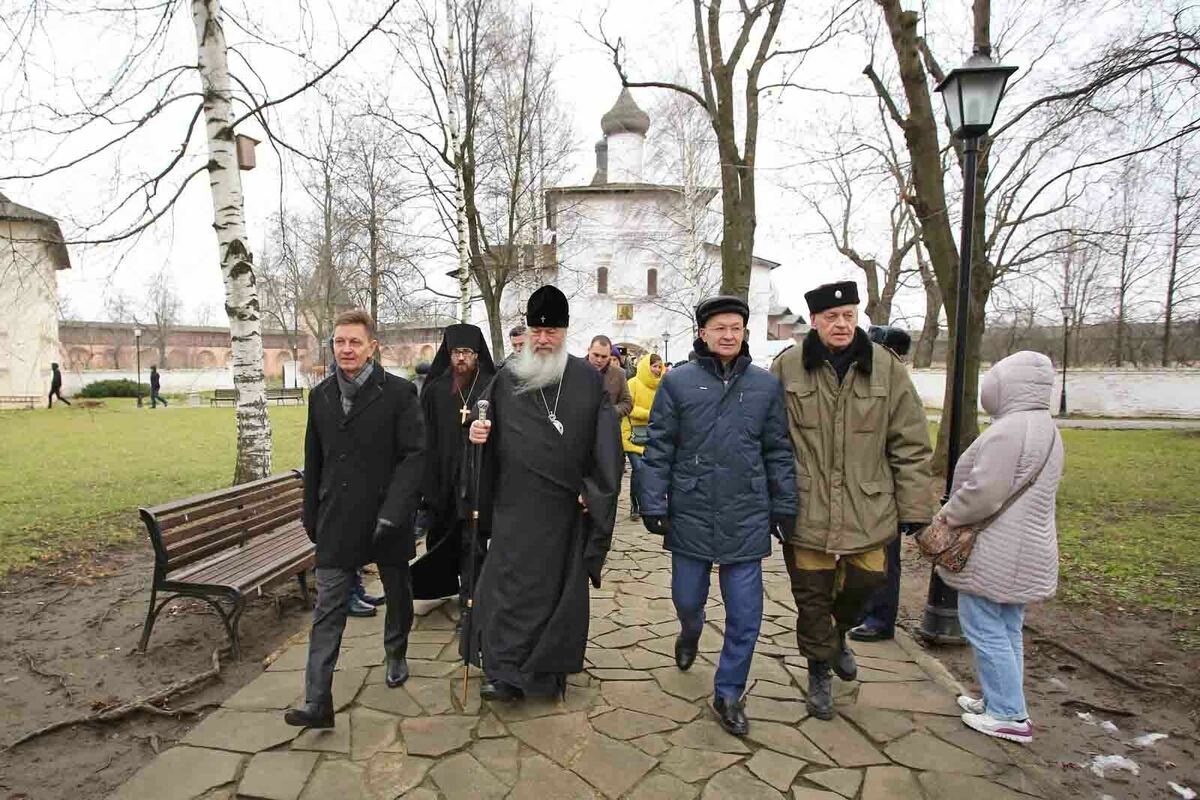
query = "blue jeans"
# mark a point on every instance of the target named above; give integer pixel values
(994, 631)
(635, 484)
(742, 591)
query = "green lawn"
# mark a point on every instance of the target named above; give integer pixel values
(1129, 519)
(72, 478)
(1129, 508)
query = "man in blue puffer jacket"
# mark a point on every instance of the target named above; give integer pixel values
(718, 481)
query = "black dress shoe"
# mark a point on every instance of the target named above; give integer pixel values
(870, 633)
(373, 599)
(397, 671)
(732, 716)
(844, 666)
(360, 609)
(820, 690)
(685, 653)
(310, 715)
(500, 691)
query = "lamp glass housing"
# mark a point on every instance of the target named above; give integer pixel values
(972, 95)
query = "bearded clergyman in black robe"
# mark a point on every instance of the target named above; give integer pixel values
(461, 371)
(551, 472)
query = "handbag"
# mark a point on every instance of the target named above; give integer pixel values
(639, 434)
(950, 547)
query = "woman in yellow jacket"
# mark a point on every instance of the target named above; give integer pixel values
(633, 426)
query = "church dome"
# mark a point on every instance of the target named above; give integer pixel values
(625, 117)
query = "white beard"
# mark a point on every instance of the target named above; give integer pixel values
(535, 371)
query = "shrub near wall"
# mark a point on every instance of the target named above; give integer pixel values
(117, 388)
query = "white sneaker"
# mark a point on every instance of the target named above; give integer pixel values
(1000, 728)
(971, 705)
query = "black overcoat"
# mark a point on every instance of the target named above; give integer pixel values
(361, 467)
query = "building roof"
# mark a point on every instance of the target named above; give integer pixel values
(625, 117)
(15, 212)
(757, 259)
(707, 192)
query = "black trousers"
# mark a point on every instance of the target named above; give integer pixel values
(329, 622)
(883, 606)
(56, 392)
(155, 396)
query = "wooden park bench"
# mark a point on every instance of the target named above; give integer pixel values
(223, 396)
(285, 396)
(226, 544)
(18, 401)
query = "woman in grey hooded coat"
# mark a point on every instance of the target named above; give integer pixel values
(1006, 486)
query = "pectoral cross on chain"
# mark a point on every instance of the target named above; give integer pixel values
(465, 412)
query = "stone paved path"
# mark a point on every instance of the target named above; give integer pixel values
(632, 726)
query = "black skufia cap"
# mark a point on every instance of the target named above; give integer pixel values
(721, 304)
(548, 308)
(832, 295)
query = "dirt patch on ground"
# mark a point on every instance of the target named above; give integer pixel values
(68, 635)
(1060, 687)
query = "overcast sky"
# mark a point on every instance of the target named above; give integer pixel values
(658, 35)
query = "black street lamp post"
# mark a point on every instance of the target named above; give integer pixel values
(667, 346)
(972, 95)
(137, 346)
(1062, 398)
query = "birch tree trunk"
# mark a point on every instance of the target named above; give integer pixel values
(241, 293)
(460, 202)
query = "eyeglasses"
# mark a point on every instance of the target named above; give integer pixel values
(462, 352)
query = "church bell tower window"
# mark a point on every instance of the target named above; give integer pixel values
(602, 280)
(652, 282)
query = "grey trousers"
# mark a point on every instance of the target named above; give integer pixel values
(329, 621)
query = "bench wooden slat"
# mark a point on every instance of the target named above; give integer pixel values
(199, 512)
(235, 536)
(176, 505)
(244, 559)
(228, 513)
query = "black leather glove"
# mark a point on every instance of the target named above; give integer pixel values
(311, 533)
(782, 527)
(656, 525)
(383, 531)
(911, 528)
(594, 567)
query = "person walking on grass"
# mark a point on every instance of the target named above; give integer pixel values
(156, 388)
(363, 463)
(1006, 487)
(635, 424)
(718, 480)
(56, 386)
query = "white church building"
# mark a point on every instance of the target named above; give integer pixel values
(31, 254)
(632, 255)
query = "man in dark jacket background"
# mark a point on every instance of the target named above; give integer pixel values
(156, 388)
(363, 460)
(718, 479)
(56, 386)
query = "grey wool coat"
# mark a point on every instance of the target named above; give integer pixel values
(1015, 559)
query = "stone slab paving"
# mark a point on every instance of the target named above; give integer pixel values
(631, 726)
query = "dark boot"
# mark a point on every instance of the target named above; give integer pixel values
(844, 666)
(732, 716)
(500, 691)
(820, 690)
(685, 653)
(310, 715)
(397, 671)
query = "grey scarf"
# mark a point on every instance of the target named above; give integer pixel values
(349, 388)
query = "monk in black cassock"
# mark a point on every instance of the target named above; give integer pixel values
(551, 472)
(460, 372)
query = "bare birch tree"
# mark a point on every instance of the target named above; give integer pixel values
(1183, 268)
(144, 97)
